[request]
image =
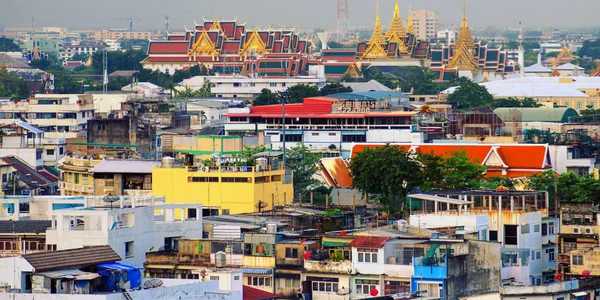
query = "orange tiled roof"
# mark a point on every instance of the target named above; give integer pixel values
(478, 153)
(519, 157)
(337, 171)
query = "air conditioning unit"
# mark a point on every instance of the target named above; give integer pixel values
(588, 230)
(576, 230)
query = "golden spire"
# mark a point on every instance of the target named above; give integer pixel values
(3, 66)
(463, 57)
(377, 36)
(464, 35)
(396, 26)
(409, 24)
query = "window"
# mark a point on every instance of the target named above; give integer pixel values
(367, 255)
(272, 84)
(432, 289)
(544, 229)
(550, 227)
(536, 228)
(327, 287)
(203, 179)
(579, 105)
(101, 127)
(213, 278)
(84, 178)
(396, 287)
(364, 286)
(76, 178)
(551, 254)
(354, 138)
(567, 105)
(315, 134)
(510, 234)
(225, 212)
(291, 252)
(577, 260)
(259, 281)
(293, 283)
(332, 134)
(509, 259)
(50, 152)
(129, 249)
(538, 255)
(524, 228)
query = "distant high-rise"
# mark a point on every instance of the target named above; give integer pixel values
(425, 24)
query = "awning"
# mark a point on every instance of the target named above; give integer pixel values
(69, 274)
(336, 242)
(579, 294)
(29, 127)
(262, 271)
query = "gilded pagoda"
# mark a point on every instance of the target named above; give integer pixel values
(465, 58)
(397, 46)
(228, 47)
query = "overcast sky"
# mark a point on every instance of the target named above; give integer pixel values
(89, 14)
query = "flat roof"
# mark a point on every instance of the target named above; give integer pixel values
(439, 199)
(124, 166)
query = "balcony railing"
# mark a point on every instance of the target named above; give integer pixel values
(328, 266)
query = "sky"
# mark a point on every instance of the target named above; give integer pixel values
(149, 14)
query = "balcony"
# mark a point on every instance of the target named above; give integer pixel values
(80, 188)
(327, 266)
(426, 269)
(82, 162)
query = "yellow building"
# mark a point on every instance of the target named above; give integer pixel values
(225, 188)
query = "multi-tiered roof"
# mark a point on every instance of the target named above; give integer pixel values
(229, 47)
(465, 56)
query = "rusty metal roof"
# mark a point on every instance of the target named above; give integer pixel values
(72, 258)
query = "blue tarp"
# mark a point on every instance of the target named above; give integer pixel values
(118, 274)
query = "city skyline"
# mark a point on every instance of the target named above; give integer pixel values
(269, 12)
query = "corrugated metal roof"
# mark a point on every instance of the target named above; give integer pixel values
(263, 271)
(539, 114)
(25, 226)
(72, 258)
(124, 166)
(369, 242)
(70, 274)
(29, 127)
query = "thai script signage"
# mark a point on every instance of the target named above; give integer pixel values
(358, 106)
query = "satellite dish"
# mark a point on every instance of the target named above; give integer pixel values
(111, 199)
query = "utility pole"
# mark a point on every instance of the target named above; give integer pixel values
(283, 96)
(105, 68)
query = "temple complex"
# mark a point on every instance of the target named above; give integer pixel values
(469, 59)
(398, 46)
(228, 47)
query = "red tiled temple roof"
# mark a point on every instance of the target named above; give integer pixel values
(251, 293)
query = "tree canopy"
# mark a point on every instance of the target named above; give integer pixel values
(297, 93)
(334, 88)
(8, 45)
(13, 86)
(119, 60)
(590, 48)
(514, 102)
(391, 173)
(266, 97)
(471, 95)
(567, 186)
(303, 164)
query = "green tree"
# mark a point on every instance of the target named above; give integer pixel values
(303, 164)
(334, 88)
(589, 111)
(187, 92)
(119, 60)
(64, 83)
(460, 173)
(471, 95)
(13, 86)
(387, 171)
(205, 90)
(590, 48)
(266, 97)
(80, 57)
(8, 45)
(514, 102)
(297, 93)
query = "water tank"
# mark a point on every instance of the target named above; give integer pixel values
(261, 163)
(402, 225)
(271, 228)
(168, 162)
(189, 160)
(220, 259)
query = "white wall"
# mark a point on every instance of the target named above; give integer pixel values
(11, 271)
(26, 154)
(171, 289)
(474, 223)
(368, 268)
(560, 160)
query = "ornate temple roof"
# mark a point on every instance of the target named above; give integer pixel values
(377, 36)
(463, 58)
(396, 26)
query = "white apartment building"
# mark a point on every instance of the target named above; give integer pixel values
(425, 23)
(248, 87)
(67, 51)
(131, 226)
(447, 35)
(58, 116)
(517, 224)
